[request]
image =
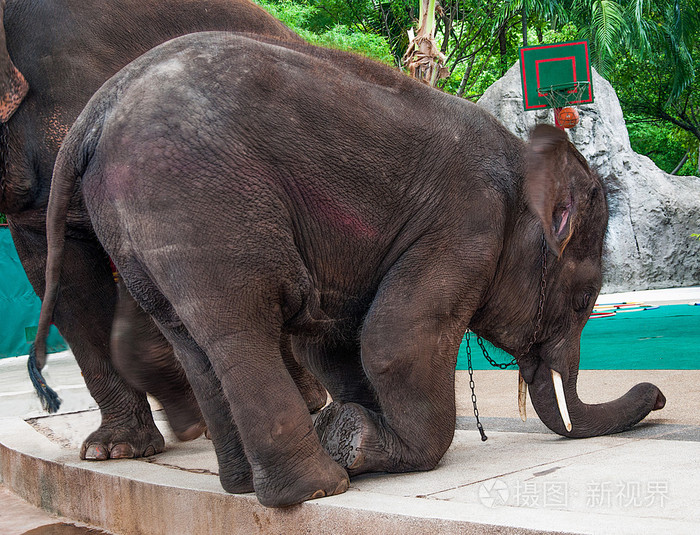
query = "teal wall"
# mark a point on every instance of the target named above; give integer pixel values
(19, 305)
(663, 338)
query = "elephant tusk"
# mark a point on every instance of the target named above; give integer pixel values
(561, 399)
(522, 397)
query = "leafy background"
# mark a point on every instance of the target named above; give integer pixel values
(647, 49)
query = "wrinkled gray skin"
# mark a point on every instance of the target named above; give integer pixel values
(246, 189)
(53, 57)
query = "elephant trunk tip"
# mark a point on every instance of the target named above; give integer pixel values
(655, 398)
(660, 401)
(557, 403)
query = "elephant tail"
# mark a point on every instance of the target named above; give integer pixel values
(72, 160)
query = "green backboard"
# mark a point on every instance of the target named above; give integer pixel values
(555, 75)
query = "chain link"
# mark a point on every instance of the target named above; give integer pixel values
(3, 156)
(471, 385)
(514, 361)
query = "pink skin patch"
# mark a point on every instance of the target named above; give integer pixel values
(344, 218)
(13, 97)
(56, 129)
(564, 217)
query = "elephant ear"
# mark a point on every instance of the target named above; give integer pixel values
(550, 184)
(13, 86)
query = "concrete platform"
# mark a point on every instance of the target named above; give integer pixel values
(524, 479)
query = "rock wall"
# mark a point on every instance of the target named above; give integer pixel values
(652, 214)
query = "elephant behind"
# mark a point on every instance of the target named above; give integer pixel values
(246, 188)
(53, 56)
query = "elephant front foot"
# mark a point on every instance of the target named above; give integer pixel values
(236, 476)
(355, 438)
(316, 477)
(122, 442)
(184, 417)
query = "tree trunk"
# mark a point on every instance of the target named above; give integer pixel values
(423, 59)
(503, 48)
(681, 163)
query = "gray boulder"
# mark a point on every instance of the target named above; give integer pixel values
(652, 213)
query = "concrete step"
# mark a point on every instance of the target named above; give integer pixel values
(641, 481)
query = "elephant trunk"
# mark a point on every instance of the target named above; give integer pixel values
(13, 86)
(589, 420)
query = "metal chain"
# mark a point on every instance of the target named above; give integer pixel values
(514, 361)
(501, 365)
(540, 306)
(471, 385)
(3, 156)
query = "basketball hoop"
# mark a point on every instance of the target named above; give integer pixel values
(557, 76)
(559, 97)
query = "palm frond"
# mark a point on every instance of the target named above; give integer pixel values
(608, 28)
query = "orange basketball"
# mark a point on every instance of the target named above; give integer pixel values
(568, 117)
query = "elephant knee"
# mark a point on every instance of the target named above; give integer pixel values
(379, 358)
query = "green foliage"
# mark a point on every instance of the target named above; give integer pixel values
(3, 219)
(663, 143)
(649, 92)
(647, 48)
(306, 18)
(606, 30)
(344, 38)
(296, 15)
(565, 33)
(389, 18)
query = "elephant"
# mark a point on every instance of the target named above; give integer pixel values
(247, 188)
(53, 57)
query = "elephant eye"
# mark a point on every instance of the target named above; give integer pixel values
(582, 301)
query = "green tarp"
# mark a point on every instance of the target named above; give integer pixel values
(664, 338)
(19, 305)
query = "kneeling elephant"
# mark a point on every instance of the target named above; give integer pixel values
(247, 189)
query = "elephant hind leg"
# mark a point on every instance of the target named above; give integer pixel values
(83, 314)
(288, 464)
(338, 366)
(234, 469)
(146, 360)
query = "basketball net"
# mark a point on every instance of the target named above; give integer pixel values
(560, 96)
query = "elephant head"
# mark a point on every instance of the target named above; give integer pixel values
(13, 86)
(548, 279)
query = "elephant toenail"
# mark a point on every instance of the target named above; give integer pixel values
(96, 452)
(342, 487)
(122, 451)
(150, 451)
(320, 493)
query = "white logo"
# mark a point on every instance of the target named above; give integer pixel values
(493, 492)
